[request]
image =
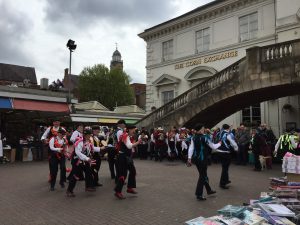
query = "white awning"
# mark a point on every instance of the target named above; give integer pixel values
(84, 119)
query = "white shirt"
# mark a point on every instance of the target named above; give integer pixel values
(75, 135)
(46, 133)
(210, 144)
(96, 149)
(232, 143)
(145, 140)
(152, 138)
(128, 143)
(78, 151)
(119, 133)
(51, 144)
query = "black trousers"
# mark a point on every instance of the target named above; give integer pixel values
(54, 161)
(111, 154)
(160, 152)
(77, 169)
(225, 160)
(203, 178)
(152, 150)
(179, 150)
(125, 164)
(242, 155)
(96, 168)
(143, 151)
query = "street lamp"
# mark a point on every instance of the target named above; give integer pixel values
(71, 46)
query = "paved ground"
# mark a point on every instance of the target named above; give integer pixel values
(166, 195)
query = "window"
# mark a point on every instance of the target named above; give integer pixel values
(202, 40)
(248, 27)
(167, 52)
(167, 96)
(251, 115)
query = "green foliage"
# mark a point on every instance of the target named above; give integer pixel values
(109, 87)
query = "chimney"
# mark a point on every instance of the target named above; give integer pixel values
(66, 72)
(44, 83)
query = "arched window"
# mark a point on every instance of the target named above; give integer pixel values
(199, 74)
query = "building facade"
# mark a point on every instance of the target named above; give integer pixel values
(186, 50)
(139, 91)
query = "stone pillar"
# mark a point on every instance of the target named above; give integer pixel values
(253, 57)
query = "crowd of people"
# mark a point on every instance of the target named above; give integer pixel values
(86, 146)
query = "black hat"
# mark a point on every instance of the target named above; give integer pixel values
(225, 126)
(95, 127)
(121, 122)
(55, 120)
(79, 124)
(130, 126)
(87, 131)
(199, 126)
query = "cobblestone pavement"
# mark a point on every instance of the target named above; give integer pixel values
(165, 195)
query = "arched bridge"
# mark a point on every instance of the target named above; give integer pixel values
(266, 73)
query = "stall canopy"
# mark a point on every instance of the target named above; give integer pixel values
(5, 103)
(40, 106)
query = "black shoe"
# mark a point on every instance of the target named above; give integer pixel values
(224, 187)
(211, 192)
(200, 198)
(98, 185)
(228, 182)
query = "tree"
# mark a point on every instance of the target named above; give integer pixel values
(109, 87)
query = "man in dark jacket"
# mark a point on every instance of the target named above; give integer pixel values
(243, 139)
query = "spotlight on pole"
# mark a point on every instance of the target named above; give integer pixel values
(71, 46)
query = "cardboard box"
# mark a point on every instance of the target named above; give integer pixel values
(10, 154)
(25, 151)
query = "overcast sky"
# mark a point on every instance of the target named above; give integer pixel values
(35, 32)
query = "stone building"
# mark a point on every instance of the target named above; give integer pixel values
(188, 49)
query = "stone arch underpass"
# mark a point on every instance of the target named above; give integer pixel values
(266, 73)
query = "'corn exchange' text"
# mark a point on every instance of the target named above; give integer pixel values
(207, 59)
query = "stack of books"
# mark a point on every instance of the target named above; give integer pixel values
(232, 211)
(276, 210)
(277, 182)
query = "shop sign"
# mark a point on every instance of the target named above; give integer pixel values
(207, 59)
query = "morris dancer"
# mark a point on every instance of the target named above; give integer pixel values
(199, 149)
(171, 142)
(48, 134)
(81, 161)
(97, 146)
(124, 163)
(57, 145)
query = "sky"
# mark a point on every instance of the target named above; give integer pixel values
(34, 33)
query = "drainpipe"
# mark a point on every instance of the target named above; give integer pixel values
(275, 21)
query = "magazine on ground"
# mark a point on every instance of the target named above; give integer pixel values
(252, 217)
(276, 210)
(276, 220)
(204, 221)
(230, 210)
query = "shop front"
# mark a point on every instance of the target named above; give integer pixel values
(22, 124)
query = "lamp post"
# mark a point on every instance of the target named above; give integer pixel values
(71, 46)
